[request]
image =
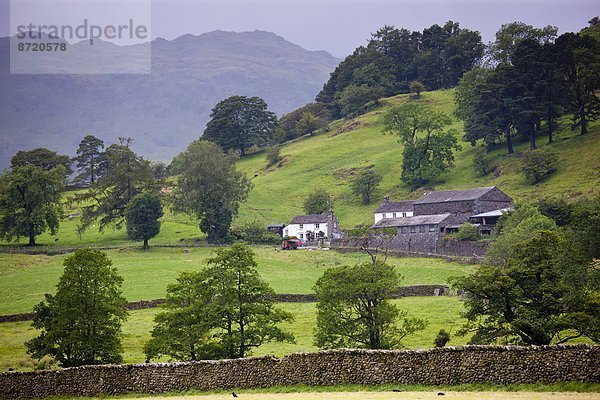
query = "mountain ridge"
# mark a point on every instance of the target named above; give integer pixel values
(165, 110)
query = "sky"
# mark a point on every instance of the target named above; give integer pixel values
(336, 26)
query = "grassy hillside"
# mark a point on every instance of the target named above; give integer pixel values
(327, 162)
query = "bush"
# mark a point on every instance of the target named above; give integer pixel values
(254, 232)
(416, 87)
(539, 163)
(273, 155)
(442, 338)
(466, 232)
(317, 202)
(482, 162)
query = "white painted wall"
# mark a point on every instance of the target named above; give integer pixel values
(397, 214)
(300, 230)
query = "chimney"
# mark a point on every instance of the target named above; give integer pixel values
(386, 199)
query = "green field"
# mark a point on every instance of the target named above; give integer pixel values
(25, 278)
(441, 312)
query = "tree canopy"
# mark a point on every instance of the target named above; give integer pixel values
(365, 183)
(239, 122)
(30, 201)
(91, 160)
(142, 215)
(42, 158)
(127, 175)
(317, 202)
(210, 188)
(225, 310)
(354, 309)
(81, 323)
(428, 146)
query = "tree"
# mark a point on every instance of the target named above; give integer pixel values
(91, 160)
(308, 124)
(482, 162)
(225, 310)
(579, 72)
(81, 324)
(416, 87)
(317, 202)
(273, 155)
(353, 99)
(183, 330)
(428, 147)
(365, 183)
(545, 293)
(539, 163)
(466, 232)
(142, 215)
(127, 175)
(42, 158)
(239, 122)
(510, 35)
(30, 201)
(354, 309)
(210, 188)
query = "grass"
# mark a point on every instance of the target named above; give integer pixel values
(327, 162)
(25, 278)
(440, 312)
(557, 391)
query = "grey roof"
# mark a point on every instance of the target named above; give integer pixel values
(410, 221)
(495, 213)
(310, 219)
(395, 206)
(454, 195)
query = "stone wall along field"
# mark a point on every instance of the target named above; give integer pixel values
(443, 366)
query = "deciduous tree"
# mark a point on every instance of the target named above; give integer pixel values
(210, 188)
(354, 309)
(317, 202)
(30, 201)
(365, 183)
(81, 323)
(239, 122)
(142, 215)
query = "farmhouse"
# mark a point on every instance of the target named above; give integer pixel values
(396, 209)
(313, 226)
(422, 223)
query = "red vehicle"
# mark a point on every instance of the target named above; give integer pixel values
(290, 244)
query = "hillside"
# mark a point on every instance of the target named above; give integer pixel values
(327, 162)
(165, 110)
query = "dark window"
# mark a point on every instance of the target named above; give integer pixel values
(316, 226)
(404, 229)
(394, 215)
(301, 226)
(431, 228)
(413, 229)
(421, 228)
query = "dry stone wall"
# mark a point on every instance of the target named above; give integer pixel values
(447, 366)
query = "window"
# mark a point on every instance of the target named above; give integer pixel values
(403, 214)
(302, 236)
(404, 229)
(383, 215)
(413, 229)
(431, 228)
(301, 226)
(421, 228)
(394, 215)
(316, 226)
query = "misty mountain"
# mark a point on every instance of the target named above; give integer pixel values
(165, 110)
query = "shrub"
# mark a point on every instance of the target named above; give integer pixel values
(539, 163)
(442, 338)
(482, 162)
(466, 232)
(416, 87)
(273, 155)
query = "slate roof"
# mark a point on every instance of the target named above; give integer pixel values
(276, 226)
(310, 219)
(396, 206)
(410, 221)
(454, 195)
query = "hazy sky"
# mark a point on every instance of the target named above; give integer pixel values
(339, 26)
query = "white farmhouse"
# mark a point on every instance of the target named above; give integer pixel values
(313, 226)
(394, 209)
